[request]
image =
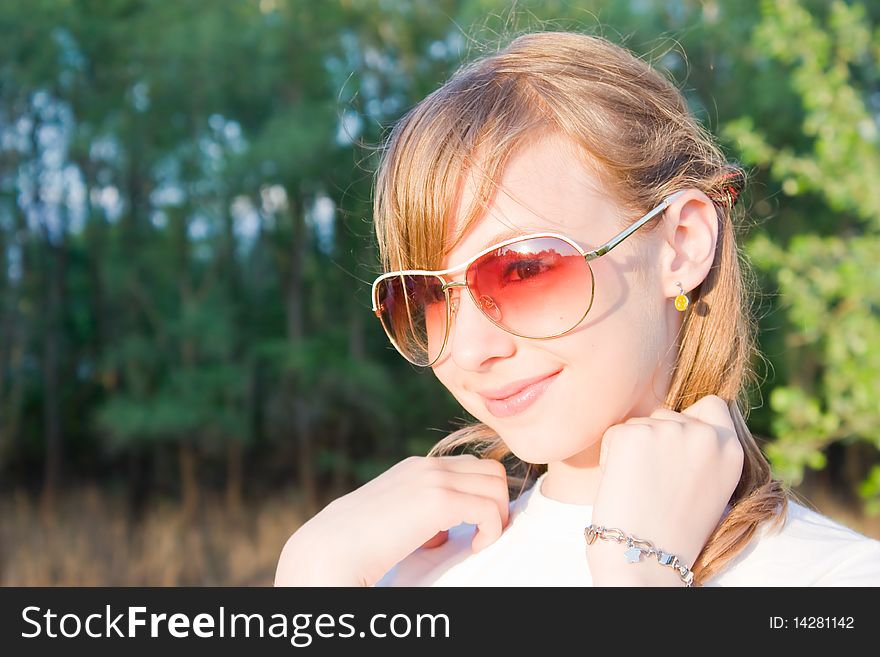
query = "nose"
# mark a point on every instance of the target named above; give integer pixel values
(473, 338)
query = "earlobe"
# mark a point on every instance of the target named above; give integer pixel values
(691, 238)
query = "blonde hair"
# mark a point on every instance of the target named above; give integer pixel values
(635, 127)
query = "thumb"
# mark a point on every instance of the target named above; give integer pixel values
(712, 410)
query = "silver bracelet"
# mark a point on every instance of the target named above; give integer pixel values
(636, 547)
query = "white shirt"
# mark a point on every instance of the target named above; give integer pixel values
(543, 545)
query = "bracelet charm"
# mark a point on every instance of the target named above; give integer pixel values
(636, 547)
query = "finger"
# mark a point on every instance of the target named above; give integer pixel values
(659, 413)
(485, 486)
(662, 413)
(611, 436)
(658, 423)
(474, 510)
(471, 463)
(712, 410)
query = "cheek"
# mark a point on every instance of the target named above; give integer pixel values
(470, 401)
(603, 376)
(606, 369)
(443, 372)
(623, 324)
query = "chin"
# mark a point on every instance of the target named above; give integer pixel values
(544, 445)
(533, 451)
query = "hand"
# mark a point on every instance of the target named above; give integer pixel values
(358, 537)
(667, 478)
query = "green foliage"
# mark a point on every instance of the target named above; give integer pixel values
(842, 129)
(201, 307)
(870, 490)
(829, 284)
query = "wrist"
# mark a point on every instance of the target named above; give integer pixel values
(609, 567)
(617, 558)
(306, 561)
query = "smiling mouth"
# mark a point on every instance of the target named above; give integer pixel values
(513, 389)
(521, 400)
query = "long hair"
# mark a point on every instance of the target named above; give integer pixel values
(637, 131)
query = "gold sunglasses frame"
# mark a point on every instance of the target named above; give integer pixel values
(446, 284)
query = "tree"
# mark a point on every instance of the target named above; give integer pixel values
(829, 282)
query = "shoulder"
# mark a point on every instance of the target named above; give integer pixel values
(807, 549)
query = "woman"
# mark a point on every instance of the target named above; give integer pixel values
(558, 238)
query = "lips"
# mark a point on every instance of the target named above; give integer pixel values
(515, 387)
(519, 401)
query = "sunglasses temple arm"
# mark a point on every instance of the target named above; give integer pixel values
(629, 230)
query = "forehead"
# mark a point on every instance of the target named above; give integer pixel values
(546, 186)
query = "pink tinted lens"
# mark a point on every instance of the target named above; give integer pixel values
(535, 288)
(413, 313)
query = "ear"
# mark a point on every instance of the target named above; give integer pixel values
(690, 233)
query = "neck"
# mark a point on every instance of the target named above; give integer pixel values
(574, 480)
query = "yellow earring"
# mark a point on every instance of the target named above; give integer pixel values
(681, 301)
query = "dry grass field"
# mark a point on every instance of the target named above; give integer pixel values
(91, 541)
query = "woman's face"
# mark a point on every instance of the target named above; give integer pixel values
(614, 365)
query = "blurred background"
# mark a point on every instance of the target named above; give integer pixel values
(189, 367)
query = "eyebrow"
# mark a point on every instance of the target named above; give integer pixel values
(503, 235)
(511, 232)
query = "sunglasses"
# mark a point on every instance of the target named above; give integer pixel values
(537, 286)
